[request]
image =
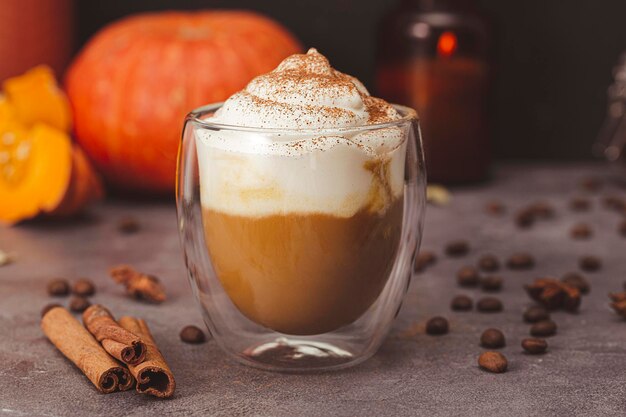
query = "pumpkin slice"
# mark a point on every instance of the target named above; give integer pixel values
(36, 98)
(85, 187)
(42, 172)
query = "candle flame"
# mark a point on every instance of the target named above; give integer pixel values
(447, 44)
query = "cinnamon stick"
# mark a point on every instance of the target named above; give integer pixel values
(123, 345)
(153, 375)
(77, 344)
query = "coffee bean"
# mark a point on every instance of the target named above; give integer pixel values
(613, 202)
(524, 219)
(591, 184)
(489, 305)
(580, 204)
(576, 280)
(495, 208)
(534, 346)
(84, 287)
(492, 339)
(618, 296)
(79, 304)
(521, 261)
(572, 298)
(461, 303)
(493, 362)
(546, 291)
(542, 210)
(468, 276)
(622, 228)
(535, 314)
(192, 334)
(619, 302)
(48, 308)
(457, 248)
(423, 260)
(437, 326)
(489, 263)
(128, 225)
(543, 328)
(58, 287)
(491, 283)
(581, 231)
(554, 294)
(590, 263)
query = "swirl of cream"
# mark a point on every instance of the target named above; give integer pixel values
(304, 92)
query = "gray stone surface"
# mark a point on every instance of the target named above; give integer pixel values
(582, 375)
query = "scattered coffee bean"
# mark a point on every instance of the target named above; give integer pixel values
(58, 287)
(613, 202)
(619, 308)
(580, 204)
(84, 287)
(543, 328)
(534, 346)
(192, 334)
(492, 339)
(489, 305)
(619, 303)
(590, 263)
(581, 231)
(457, 248)
(525, 218)
(128, 225)
(591, 184)
(489, 263)
(622, 228)
(468, 276)
(48, 308)
(554, 294)
(493, 362)
(79, 304)
(521, 261)
(462, 303)
(576, 280)
(535, 314)
(542, 210)
(437, 326)
(424, 259)
(618, 296)
(495, 208)
(491, 283)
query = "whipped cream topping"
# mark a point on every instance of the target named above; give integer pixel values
(304, 92)
(302, 169)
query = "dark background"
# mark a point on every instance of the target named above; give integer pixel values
(553, 58)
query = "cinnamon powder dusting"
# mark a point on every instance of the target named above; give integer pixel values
(305, 92)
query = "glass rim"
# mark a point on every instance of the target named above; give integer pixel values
(408, 115)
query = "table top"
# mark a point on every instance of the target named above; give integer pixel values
(412, 374)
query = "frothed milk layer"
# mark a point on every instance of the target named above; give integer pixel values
(305, 168)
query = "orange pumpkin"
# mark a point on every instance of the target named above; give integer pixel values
(133, 83)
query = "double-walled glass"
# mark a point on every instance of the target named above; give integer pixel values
(299, 243)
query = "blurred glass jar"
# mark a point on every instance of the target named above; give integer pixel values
(611, 141)
(433, 56)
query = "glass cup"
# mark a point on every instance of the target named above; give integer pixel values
(300, 255)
